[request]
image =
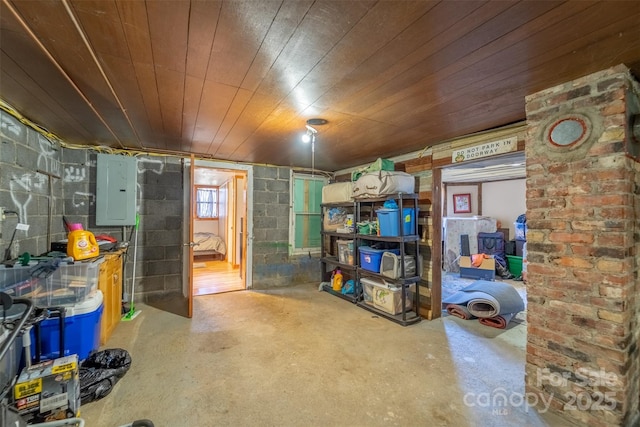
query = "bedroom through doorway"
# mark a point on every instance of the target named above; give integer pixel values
(219, 222)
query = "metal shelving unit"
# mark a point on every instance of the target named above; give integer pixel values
(359, 207)
(407, 316)
(330, 259)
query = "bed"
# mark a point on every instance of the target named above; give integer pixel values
(208, 244)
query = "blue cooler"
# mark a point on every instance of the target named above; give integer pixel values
(81, 330)
(390, 223)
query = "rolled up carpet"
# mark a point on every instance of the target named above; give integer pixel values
(460, 311)
(500, 321)
(486, 306)
(487, 299)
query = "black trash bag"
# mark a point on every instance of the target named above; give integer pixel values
(101, 371)
(501, 267)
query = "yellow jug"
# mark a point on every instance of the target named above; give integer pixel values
(337, 281)
(82, 245)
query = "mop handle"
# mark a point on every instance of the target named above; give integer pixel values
(135, 251)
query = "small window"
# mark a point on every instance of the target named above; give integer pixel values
(306, 196)
(206, 202)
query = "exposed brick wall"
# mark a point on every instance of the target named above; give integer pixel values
(272, 265)
(582, 243)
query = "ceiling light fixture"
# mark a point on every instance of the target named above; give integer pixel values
(310, 137)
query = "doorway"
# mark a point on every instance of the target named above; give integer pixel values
(235, 233)
(218, 242)
(492, 192)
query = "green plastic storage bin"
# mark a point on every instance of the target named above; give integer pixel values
(515, 265)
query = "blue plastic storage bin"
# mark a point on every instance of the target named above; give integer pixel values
(370, 258)
(390, 223)
(81, 330)
(521, 230)
(409, 221)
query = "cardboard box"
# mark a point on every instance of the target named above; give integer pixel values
(334, 218)
(48, 391)
(486, 271)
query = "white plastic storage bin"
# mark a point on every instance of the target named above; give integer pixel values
(71, 283)
(18, 282)
(367, 290)
(385, 296)
(9, 276)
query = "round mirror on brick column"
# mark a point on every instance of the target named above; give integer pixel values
(568, 131)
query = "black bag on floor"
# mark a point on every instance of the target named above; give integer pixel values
(101, 371)
(502, 268)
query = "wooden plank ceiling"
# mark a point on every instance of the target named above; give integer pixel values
(237, 80)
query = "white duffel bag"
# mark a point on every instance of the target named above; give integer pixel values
(337, 192)
(383, 183)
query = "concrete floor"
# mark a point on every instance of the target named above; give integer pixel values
(299, 357)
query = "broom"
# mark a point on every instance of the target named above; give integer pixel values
(132, 313)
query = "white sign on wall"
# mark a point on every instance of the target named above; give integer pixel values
(485, 150)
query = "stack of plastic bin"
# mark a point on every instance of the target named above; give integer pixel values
(72, 290)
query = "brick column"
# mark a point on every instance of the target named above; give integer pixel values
(582, 241)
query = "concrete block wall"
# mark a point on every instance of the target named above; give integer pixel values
(79, 188)
(159, 201)
(160, 241)
(24, 155)
(272, 264)
(79, 170)
(24, 152)
(582, 241)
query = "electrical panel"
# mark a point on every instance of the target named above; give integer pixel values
(116, 190)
